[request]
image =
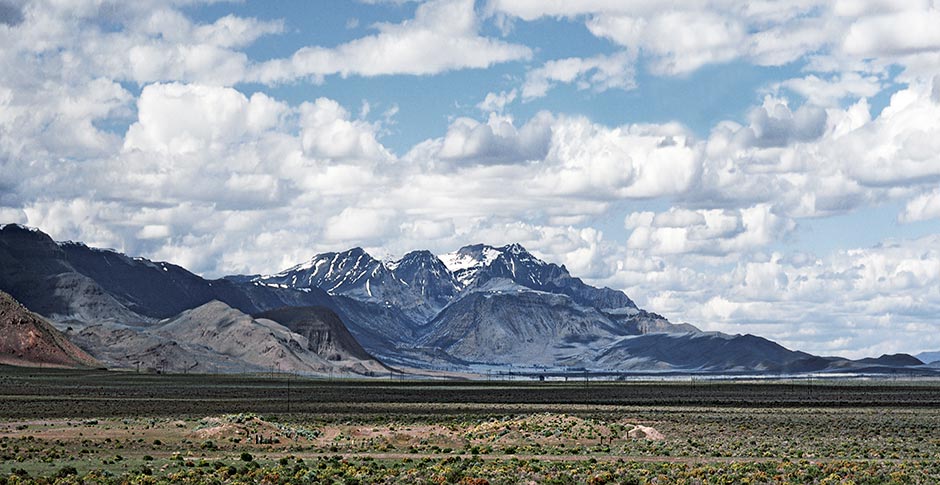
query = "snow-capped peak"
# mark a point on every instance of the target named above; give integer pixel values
(417, 257)
(314, 261)
(466, 257)
(468, 262)
(515, 248)
(422, 284)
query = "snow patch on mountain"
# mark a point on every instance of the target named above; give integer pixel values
(459, 260)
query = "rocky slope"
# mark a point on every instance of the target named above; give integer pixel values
(512, 328)
(477, 265)
(325, 333)
(26, 339)
(265, 343)
(418, 284)
(35, 271)
(71, 281)
(215, 337)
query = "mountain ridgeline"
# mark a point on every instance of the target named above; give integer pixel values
(422, 284)
(478, 309)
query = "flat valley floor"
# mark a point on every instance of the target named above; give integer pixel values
(117, 427)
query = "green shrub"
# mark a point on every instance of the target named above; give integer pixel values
(66, 471)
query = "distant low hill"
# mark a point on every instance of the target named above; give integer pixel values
(929, 357)
(895, 360)
(26, 339)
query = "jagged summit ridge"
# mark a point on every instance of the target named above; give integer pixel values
(477, 265)
(334, 272)
(423, 284)
(470, 262)
(418, 283)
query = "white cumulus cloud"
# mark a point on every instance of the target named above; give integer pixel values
(185, 118)
(598, 73)
(923, 207)
(442, 36)
(329, 132)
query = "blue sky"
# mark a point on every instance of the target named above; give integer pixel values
(764, 167)
(698, 99)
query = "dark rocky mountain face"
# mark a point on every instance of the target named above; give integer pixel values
(381, 329)
(71, 281)
(326, 334)
(418, 284)
(161, 290)
(476, 265)
(36, 271)
(428, 278)
(511, 328)
(421, 284)
(154, 289)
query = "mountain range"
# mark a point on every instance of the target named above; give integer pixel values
(478, 309)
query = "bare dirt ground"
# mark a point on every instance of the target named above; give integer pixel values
(253, 432)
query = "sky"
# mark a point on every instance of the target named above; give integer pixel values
(754, 167)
